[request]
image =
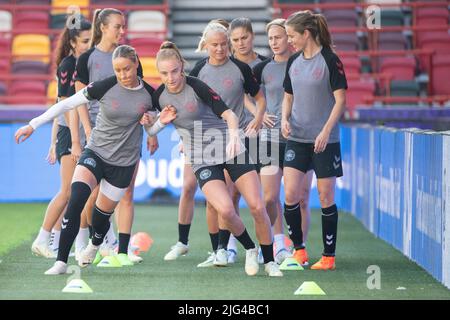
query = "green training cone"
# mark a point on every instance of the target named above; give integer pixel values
(309, 288)
(77, 286)
(291, 264)
(109, 262)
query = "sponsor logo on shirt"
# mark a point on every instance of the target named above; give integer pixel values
(190, 106)
(228, 83)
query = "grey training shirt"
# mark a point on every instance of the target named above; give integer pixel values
(270, 75)
(231, 81)
(95, 65)
(117, 137)
(198, 122)
(312, 83)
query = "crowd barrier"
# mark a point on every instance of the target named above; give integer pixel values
(397, 183)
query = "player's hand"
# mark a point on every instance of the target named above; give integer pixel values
(234, 145)
(285, 128)
(76, 151)
(51, 157)
(25, 132)
(269, 120)
(168, 114)
(321, 141)
(148, 118)
(253, 128)
(152, 144)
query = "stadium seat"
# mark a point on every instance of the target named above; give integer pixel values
(52, 91)
(109, 3)
(346, 41)
(392, 18)
(401, 88)
(432, 16)
(439, 42)
(2, 89)
(401, 68)
(25, 45)
(341, 18)
(5, 21)
(28, 88)
(145, 21)
(145, 2)
(29, 67)
(440, 74)
(352, 65)
(146, 46)
(68, 3)
(391, 41)
(149, 67)
(31, 20)
(296, 1)
(357, 91)
(4, 66)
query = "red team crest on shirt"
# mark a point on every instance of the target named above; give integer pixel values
(191, 106)
(115, 104)
(317, 74)
(227, 83)
(269, 78)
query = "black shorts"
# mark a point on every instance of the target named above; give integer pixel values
(119, 177)
(252, 146)
(63, 142)
(326, 164)
(216, 172)
(271, 154)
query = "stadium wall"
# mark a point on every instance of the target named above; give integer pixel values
(25, 176)
(397, 183)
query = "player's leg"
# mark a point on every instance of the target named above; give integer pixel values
(185, 214)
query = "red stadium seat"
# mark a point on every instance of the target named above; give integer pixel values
(2, 89)
(391, 41)
(31, 20)
(431, 16)
(146, 46)
(29, 90)
(440, 74)
(439, 42)
(352, 65)
(357, 91)
(401, 68)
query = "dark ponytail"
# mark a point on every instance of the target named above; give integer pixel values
(64, 47)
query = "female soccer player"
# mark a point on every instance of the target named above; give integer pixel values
(94, 65)
(186, 205)
(313, 103)
(241, 39)
(232, 80)
(71, 44)
(211, 151)
(270, 74)
(112, 153)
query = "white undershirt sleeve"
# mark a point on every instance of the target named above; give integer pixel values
(59, 108)
(155, 128)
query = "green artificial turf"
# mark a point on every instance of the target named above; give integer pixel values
(22, 275)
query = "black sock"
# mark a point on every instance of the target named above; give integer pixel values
(214, 240)
(267, 252)
(80, 193)
(329, 230)
(293, 217)
(183, 233)
(224, 237)
(245, 240)
(90, 231)
(100, 225)
(124, 240)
